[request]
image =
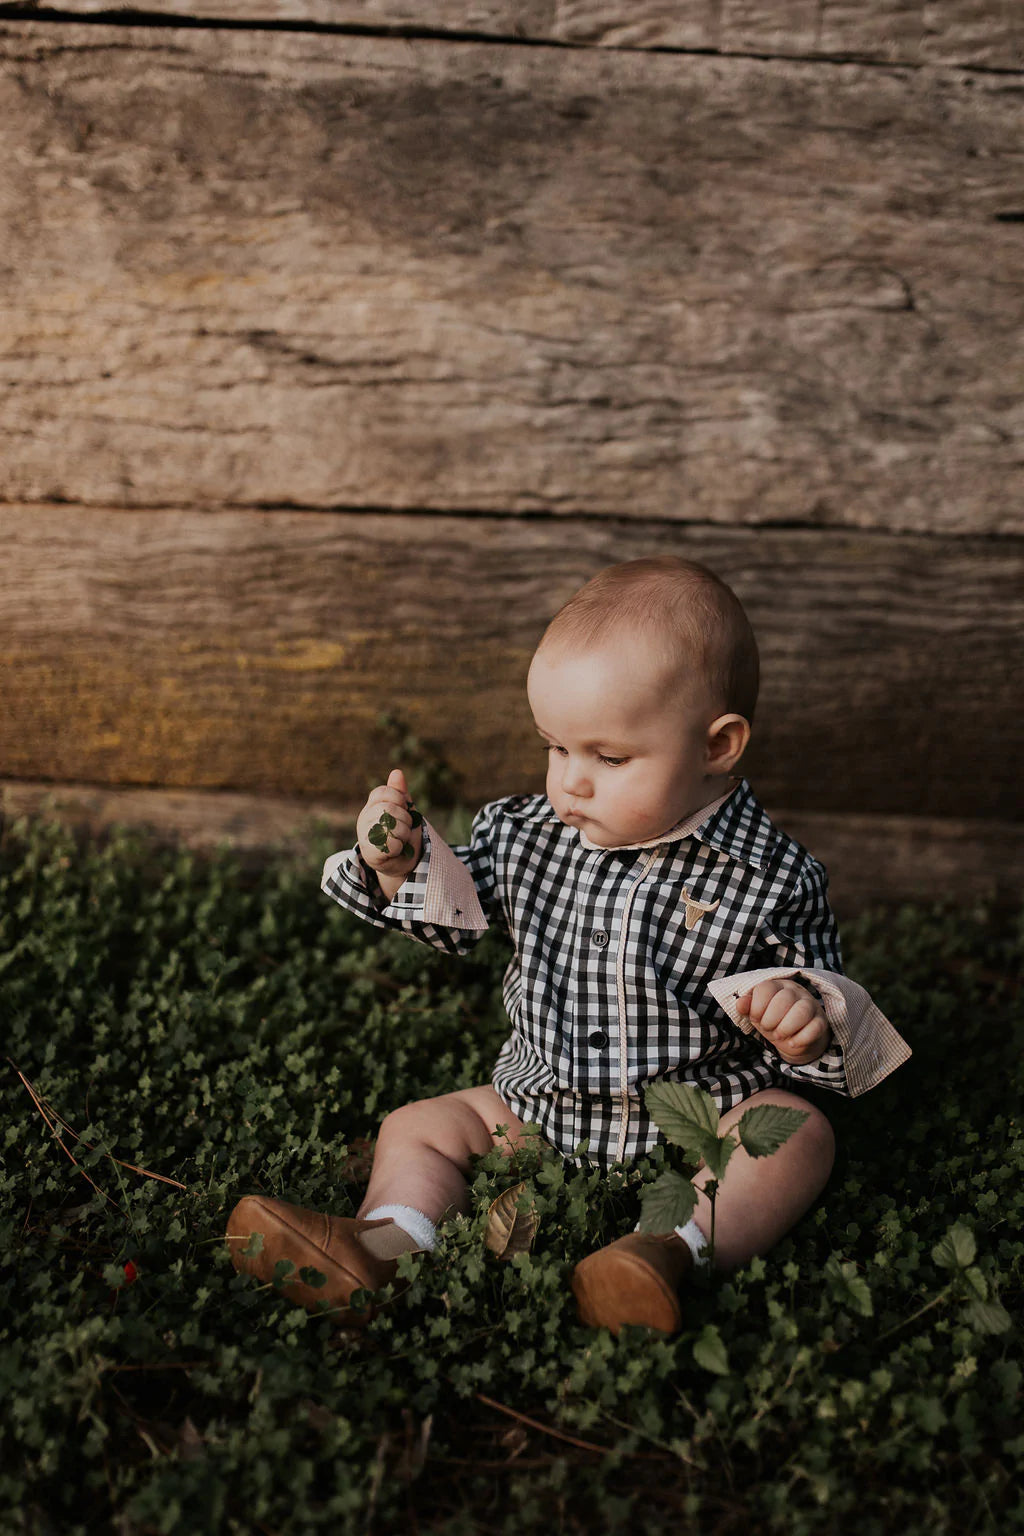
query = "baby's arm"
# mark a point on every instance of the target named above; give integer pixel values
(767, 999)
(798, 942)
(394, 850)
(441, 896)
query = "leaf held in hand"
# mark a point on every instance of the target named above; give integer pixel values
(387, 821)
(764, 1129)
(511, 1228)
(667, 1203)
(417, 819)
(408, 851)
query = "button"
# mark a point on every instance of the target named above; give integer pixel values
(599, 938)
(598, 1039)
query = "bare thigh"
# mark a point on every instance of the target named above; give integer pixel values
(760, 1198)
(424, 1150)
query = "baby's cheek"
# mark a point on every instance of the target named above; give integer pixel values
(647, 817)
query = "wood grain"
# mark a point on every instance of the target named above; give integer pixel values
(256, 652)
(980, 33)
(266, 269)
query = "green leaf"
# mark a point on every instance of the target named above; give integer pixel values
(764, 1129)
(957, 1249)
(408, 851)
(929, 1413)
(1008, 1376)
(976, 1282)
(378, 837)
(283, 1270)
(667, 1203)
(687, 1116)
(987, 1316)
(387, 821)
(417, 819)
(847, 1287)
(314, 1277)
(254, 1247)
(717, 1154)
(710, 1352)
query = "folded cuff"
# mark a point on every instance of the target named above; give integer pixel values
(871, 1047)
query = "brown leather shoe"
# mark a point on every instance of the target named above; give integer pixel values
(310, 1238)
(633, 1280)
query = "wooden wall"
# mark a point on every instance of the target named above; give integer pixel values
(340, 341)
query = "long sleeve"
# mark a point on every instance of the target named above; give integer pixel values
(440, 903)
(799, 940)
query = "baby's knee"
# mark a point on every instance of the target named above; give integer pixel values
(814, 1141)
(405, 1123)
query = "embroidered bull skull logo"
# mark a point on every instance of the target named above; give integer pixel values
(695, 910)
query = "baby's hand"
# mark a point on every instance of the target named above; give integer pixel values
(389, 830)
(790, 1018)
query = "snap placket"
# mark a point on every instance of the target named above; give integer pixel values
(620, 990)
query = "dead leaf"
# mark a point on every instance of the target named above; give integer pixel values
(509, 1229)
(190, 1442)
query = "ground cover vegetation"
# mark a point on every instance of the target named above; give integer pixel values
(233, 1031)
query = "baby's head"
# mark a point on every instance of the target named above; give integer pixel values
(643, 687)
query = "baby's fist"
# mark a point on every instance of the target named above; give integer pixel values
(790, 1018)
(389, 829)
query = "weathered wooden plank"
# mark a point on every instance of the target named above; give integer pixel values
(257, 651)
(499, 19)
(269, 269)
(987, 33)
(199, 819)
(878, 859)
(871, 860)
(696, 24)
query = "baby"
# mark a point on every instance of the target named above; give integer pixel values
(663, 928)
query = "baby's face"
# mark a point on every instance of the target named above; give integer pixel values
(626, 759)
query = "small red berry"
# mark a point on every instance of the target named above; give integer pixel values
(131, 1274)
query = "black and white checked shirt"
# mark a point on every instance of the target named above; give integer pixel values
(615, 954)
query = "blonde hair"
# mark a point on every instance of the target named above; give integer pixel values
(697, 620)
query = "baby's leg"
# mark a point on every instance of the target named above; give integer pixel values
(424, 1149)
(760, 1198)
(419, 1173)
(636, 1278)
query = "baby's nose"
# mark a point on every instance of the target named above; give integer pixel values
(575, 779)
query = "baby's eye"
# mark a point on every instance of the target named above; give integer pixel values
(551, 747)
(613, 762)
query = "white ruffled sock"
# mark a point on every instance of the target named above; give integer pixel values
(411, 1232)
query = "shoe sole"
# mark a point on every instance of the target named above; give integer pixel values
(618, 1290)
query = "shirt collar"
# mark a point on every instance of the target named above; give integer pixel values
(735, 823)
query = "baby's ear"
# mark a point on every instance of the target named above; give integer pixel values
(727, 742)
